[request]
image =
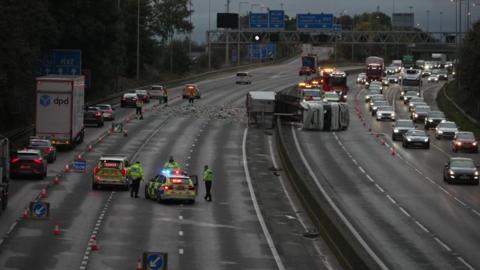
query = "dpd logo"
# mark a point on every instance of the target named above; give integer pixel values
(45, 100)
(61, 101)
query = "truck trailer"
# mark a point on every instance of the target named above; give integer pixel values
(59, 109)
(375, 67)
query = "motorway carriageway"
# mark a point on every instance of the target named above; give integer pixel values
(396, 201)
(232, 232)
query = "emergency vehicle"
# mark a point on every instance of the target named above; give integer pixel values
(172, 185)
(334, 80)
(188, 88)
(111, 170)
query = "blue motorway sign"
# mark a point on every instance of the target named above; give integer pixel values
(262, 51)
(276, 19)
(79, 164)
(63, 62)
(258, 20)
(39, 210)
(314, 21)
(155, 261)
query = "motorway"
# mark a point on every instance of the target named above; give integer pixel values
(254, 222)
(394, 198)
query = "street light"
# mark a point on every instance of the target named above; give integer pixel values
(239, 28)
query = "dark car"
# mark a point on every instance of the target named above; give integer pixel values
(464, 140)
(49, 152)
(406, 96)
(416, 137)
(400, 127)
(129, 100)
(420, 113)
(28, 163)
(433, 119)
(107, 111)
(460, 170)
(443, 75)
(93, 116)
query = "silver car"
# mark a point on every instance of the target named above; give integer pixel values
(416, 137)
(374, 98)
(385, 112)
(400, 127)
(415, 103)
(370, 93)
(377, 104)
(446, 129)
(406, 96)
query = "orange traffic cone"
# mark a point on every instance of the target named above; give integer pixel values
(139, 265)
(43, 193)
(25, 213)
(90, 148)
(67, 168)
(393, 151)
(93, 245)
(56, 229)
(56, 180)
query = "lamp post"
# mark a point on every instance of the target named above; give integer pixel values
(227, 47)
(239, 28)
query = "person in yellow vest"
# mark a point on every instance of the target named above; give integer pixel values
(208, 178)
(135, 173)
(139, 107)
(171, 164)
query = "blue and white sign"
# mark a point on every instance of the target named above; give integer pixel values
(79, 165)
(262, 51)
(314, 21)
(155, 261)
(276, 19)
(39, 210)
(63, 62)
(258, 20)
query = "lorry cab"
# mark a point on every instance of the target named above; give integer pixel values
(243, 78)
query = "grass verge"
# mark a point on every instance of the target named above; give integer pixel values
(453, 113)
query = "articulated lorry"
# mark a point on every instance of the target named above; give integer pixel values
(309, 65)
(59, 109)
(4, 171)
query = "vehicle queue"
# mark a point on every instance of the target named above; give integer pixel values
(457, 169)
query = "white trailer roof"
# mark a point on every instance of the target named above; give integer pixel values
(262, 95)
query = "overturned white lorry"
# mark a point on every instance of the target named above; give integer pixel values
(325, 116)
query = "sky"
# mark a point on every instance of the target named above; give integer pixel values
(200, 17)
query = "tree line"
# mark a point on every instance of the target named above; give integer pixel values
(105, 31)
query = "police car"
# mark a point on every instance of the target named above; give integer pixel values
(111, 170)
(172, 185)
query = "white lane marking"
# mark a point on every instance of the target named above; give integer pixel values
(370, 178)
(404, 211)
(344, 219)
(476, 212)
(391, 199)
(444, 190)
(180, 233)
(379, 188)
(361, 169)
(180, 217)
(271, 245)
(465, 263)
(459, 201)
(441, 243)
(180, 251)
(440, 149)
(294, 208)
(421, 226)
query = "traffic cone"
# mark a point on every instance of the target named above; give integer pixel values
(56, 180)
(393, 151)
(25, 213)
(139, 265)
(43, 193)
(93, 245)
(67, 168)
(56, 229)
(90, 148)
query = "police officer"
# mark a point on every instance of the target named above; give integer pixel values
(171, 164)
(135, 173)
(207, 178)
(139, 106)
(191, 95)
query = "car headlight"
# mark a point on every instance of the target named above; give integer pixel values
(439, 131)
(415, 115)
(402, 93)
(458, 143)
(345, 96)
(476, 173)
(474, 143)
(393, 113)
(426, 140)
(408, 139)
(451, 172)
(367, 97)
(396, 130)
(430, 120)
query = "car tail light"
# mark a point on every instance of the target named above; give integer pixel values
(191, 188)
(67, 142)
(48, 150)
(98, 114)
(15, 160)
(38, 161)
(474, 143)
(97, 178)
(124, 172)
(169, 187)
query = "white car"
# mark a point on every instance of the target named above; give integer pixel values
(385, 112)
(446, 129)
(243, 78)
(433, 78)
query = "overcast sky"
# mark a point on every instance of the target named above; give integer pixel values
(292, 7)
